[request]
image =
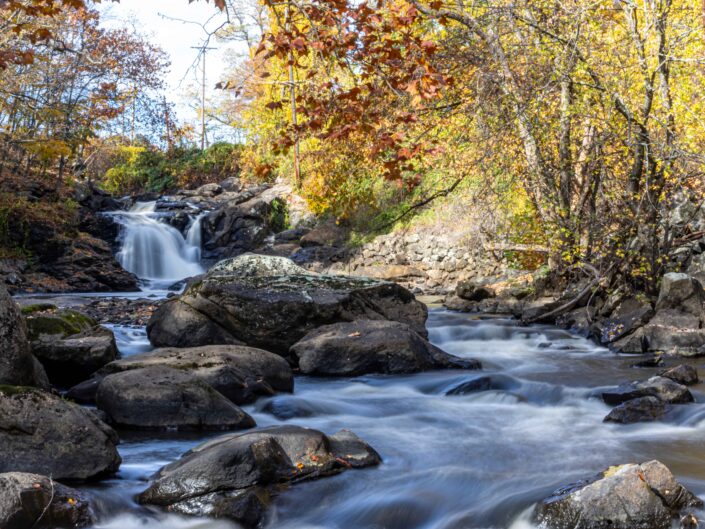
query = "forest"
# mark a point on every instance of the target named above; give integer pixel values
(470, 231)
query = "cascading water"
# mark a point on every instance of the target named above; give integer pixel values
(155, 251)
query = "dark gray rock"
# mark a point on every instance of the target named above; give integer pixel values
(637, 410)
(17, 365)
(73, 359)
(683, 374)
(235, 476)
(471, 291)
(275, 311)
(471, 386)
(662, 388)
(670, 330)
(40, 432)
(31, 501)
(619, 326)
(234, 229)
(645, 496)
(162, 398)
(370, 346)
(242, 374)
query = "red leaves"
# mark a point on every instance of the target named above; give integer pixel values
(275, 105)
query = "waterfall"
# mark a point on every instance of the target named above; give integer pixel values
(154, 251)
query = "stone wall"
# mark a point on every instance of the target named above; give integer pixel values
(425, 261)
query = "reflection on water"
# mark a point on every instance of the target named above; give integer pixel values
(450, 462)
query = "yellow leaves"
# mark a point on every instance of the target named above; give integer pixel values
(71, 501)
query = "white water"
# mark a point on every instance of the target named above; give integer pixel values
(473, 461)
(154, 251)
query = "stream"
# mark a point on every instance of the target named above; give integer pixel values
(479, 460)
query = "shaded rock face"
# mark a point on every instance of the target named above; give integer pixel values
(645, 496)
(242, 374)
(676, 327)
(17, 365)
(34, 501)
(73, 359)
(637, 410)
(662, 388)
(235, 229)
(370, 346)
(43, 433)
(275, 311)
(235, 476)
(163, 398)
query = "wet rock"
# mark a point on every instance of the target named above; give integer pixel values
(683, 374)
(662, 388)
(472, 386)
(654, 361)
(637, 410)
(275, 311)
(40, 432)
(645, 496)
(17, 364)
(235, 476)
(370, 346)
(471, 291)
(670, 330)
(162, 398)
(242, 374)
(71, 360)
(31, 501)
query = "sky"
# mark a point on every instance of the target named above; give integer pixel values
(170, 25)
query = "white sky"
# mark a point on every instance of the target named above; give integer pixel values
(155, 19)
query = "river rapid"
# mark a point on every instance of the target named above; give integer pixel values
(479, 460)
(463, 461)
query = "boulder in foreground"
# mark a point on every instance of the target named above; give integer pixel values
(161, 398)
(36, 502)
(236, 476)
(371, 346)
(645, 496)
(42, 433)
(267, 302)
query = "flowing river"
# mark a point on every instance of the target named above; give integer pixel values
(479, 460)
(468, 461)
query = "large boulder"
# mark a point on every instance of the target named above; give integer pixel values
(162, 398)
(17, 364)
(235, 476)
(31, 501)
(645, 496)
(683, 374)
(42, 433)
(471, 291)
(681, 292)
(370, 346)
(663, 388)
(670, 330)
(273, 310)
(240, 373)
(73, 359)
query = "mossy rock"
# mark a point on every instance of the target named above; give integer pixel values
(9, 391)
(59, 323)
(38, 307)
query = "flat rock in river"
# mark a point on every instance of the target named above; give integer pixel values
(662, 388)
(42, 433)
(32, 501)
(645, 496)
(240, 373)
(276, 311)
(371, 346)
(235, 476)
(161, 398)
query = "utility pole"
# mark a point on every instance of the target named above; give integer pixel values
(292, 96)
(167, 123)
(204, 50)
